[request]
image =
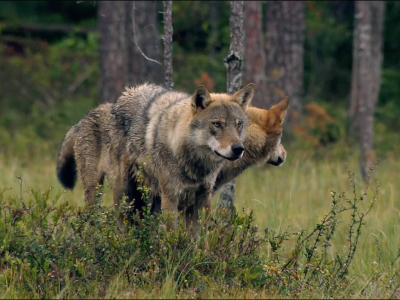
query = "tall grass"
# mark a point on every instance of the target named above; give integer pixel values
(286, 201)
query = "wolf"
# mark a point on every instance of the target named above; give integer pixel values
(179, 141)
(262, 144)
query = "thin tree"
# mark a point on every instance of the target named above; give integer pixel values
(366, 74)
(254, 59)
(233, 64)
(284, 46)
(168, 31)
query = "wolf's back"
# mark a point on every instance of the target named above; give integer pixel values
(66, 164)
(132, 107)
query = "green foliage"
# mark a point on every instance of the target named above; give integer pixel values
(45, 93)
(328, 57)
(391, 32)
(388, 109)
(327, 60)
(196, 50)
(57, 72)
(78, 12)
(50, 248)
(75, 252)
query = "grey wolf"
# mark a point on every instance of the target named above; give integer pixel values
(262, 144)
(182, 140)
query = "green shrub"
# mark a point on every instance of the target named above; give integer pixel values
(49, 249)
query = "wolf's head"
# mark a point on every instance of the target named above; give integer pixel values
(265, 133)
(220, 122)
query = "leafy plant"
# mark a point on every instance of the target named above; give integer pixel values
(49, 248)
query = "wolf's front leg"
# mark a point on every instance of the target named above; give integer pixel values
(203, 199)
(119, 190)
(169, 203)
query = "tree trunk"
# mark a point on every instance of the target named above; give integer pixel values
(233, 64)
(112, 49)
(366, 74)
(129, 46)
(168, 31)
(143, 44)
(284, 45)
(254, 60)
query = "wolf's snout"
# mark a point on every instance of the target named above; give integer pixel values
(278, 162)
(231, 153)
(237, 149)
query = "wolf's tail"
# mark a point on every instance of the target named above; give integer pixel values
(66, 164)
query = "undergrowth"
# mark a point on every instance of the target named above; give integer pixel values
(52, 249)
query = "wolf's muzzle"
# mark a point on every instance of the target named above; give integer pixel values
(237, 149)
(231, 158)
(277, 163)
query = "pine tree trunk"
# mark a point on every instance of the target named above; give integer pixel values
(143, 43)
(233, 64)
(366, 74)
(112, 49)
(284, 45)
(254, 60)
(168, 31)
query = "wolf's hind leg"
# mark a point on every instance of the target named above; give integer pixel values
(89, 175)
(90, 187)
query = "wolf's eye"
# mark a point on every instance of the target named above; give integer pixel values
(240, 123)
(217, 124)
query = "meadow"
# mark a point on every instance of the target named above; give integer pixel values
(281, 202)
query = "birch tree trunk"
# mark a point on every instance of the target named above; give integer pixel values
(254, 60)
(284, 46)
(233, 64)
(168, 31)
(366, 74)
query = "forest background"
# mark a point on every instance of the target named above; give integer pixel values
(51, 71)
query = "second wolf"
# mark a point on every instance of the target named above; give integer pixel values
(262, 144)
(182, 140)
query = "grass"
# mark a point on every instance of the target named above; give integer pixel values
(287, 199)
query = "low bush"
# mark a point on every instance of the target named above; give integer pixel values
(50, 248)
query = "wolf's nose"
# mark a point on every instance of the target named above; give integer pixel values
(237, 149)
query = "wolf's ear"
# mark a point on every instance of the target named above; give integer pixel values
(201, 98)
(244, 96)
(277, 113)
